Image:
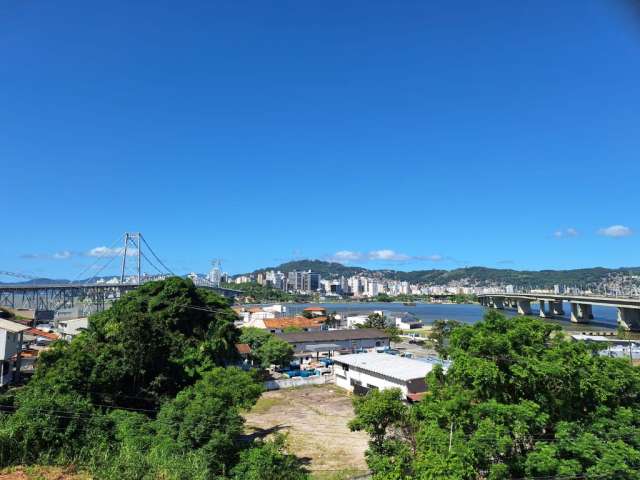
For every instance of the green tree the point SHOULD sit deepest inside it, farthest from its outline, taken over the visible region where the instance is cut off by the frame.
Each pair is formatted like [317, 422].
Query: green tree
[440, 333]
[145, 393]
[149, 345]
[269, 461]
[206, 416]
[518, 401]
[375, 320]
[274, 351]
[254, 336]
[383, 297]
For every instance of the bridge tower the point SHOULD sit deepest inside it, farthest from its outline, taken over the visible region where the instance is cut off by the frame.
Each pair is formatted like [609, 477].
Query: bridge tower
[133, 248]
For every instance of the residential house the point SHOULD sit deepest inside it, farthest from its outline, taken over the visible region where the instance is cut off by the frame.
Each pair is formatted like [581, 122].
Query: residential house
[11, 334]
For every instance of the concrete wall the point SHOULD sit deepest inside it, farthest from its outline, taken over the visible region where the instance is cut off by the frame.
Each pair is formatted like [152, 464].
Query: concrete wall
[298, 382]
[8, 344]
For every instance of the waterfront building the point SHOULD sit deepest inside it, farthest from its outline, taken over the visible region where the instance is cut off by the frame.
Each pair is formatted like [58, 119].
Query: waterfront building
[303, 281]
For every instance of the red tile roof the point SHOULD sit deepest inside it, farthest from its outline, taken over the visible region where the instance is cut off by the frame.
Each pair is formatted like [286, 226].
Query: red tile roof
[243, 348]
[315, 309]
[300, 322]
[41, 333]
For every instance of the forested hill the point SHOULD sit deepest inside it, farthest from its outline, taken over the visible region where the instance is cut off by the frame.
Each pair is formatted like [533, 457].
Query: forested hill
[475, 275]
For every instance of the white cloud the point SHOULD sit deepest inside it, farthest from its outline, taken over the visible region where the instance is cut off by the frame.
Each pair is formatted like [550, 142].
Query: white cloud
[383, 255]
[616, 231]
[347, 255]
[110, 252]
[567, 232]
[63, 255]
[387, 255]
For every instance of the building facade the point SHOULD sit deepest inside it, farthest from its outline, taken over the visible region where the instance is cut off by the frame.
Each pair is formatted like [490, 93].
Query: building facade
[362, 372]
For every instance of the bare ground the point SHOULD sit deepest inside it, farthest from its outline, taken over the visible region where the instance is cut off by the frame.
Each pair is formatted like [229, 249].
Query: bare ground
[315, 419]
[41, 473]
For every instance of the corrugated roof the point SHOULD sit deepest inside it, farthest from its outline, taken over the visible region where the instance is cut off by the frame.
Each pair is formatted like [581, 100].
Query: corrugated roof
[400, 368]
[333, 335]
[10, 326]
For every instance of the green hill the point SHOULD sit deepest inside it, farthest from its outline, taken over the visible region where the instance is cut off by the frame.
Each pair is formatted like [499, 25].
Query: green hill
[472, 275]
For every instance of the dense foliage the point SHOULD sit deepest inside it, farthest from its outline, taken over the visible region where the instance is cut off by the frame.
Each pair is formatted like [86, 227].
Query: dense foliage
[519, 401]
[149, 391]
[266, 348]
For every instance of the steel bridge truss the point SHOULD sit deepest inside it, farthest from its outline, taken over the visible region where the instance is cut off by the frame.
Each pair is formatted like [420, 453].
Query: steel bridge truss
[58, 297]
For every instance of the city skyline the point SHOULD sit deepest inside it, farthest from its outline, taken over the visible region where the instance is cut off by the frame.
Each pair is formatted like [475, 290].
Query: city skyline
[405, 136]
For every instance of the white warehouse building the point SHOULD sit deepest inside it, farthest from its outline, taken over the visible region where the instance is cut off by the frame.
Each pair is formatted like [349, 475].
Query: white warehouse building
[362, 372]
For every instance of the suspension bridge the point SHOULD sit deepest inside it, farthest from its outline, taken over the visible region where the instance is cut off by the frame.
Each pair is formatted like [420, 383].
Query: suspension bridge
[138, 264]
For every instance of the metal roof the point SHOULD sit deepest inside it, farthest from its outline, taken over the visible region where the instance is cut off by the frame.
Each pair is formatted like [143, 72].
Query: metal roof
[330, 336]
[323, 347]
[13, 327]
[400, 368]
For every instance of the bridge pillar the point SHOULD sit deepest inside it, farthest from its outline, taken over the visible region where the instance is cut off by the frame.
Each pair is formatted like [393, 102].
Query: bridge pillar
[629, 318]
[498, 302]
[579, 314]
[587, 310]
[555, 307]
[524, 307]
[543, 313]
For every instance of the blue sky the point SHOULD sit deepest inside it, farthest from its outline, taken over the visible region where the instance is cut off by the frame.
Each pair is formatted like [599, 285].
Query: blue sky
[412, 135]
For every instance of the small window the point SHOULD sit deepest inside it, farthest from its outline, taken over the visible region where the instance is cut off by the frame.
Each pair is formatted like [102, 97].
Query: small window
[378, 343]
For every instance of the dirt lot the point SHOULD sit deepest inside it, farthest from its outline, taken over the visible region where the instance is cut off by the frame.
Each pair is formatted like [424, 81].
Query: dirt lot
[315, 419]
[40, 473]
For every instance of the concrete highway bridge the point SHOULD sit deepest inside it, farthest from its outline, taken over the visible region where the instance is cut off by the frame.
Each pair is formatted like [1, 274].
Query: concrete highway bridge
[551, 305]
[58, 297]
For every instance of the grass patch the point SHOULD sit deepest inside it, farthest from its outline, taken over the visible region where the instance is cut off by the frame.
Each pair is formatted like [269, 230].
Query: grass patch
[423, 332]
[264, 404]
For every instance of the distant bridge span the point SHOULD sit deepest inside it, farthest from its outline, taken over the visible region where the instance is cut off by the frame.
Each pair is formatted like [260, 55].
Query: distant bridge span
[69, 295]
[581, 306]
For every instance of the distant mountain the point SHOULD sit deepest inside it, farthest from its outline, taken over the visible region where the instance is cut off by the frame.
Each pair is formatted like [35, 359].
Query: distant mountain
[469, 275]
[326, 269]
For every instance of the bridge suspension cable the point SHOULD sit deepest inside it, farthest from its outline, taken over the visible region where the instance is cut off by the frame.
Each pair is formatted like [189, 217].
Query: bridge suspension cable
[156, 256]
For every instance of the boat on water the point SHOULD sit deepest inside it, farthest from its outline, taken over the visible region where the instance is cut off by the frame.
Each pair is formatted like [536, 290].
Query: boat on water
[409, 304]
